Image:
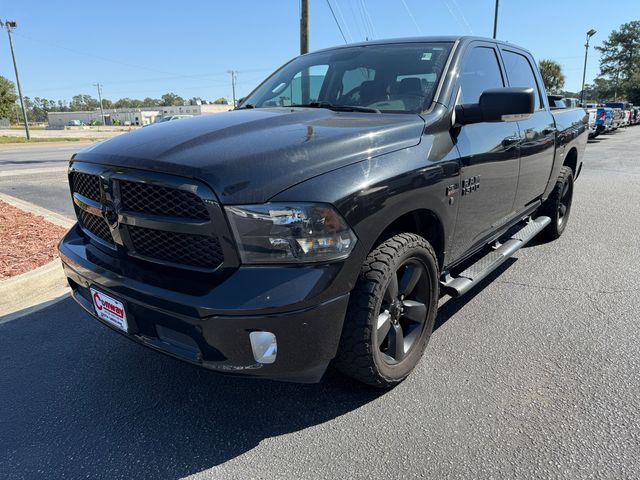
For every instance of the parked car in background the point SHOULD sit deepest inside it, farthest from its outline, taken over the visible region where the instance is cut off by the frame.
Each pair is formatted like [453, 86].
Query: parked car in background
[620, 116]
[593, 126]
[571, 102]
[171, 118]
[556, 101]
[75, 123]
[603, 119]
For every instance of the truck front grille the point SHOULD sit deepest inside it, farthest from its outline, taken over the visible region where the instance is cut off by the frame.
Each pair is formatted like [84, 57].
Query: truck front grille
[95, 225]
[163, 223]
[160, 200]
[193, 250]
[86, 185]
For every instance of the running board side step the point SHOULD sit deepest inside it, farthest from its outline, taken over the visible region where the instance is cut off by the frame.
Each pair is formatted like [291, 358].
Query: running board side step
[457, 286]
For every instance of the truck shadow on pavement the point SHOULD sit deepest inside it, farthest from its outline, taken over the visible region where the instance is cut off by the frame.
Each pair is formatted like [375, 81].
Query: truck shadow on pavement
[454, 305]
[79, 400]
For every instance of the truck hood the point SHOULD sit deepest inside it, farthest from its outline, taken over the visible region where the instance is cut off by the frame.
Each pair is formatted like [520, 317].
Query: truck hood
[248, 156]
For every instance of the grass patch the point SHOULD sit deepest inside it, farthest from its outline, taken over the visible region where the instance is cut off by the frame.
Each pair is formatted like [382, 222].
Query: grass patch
[6, 139]
[31, 127]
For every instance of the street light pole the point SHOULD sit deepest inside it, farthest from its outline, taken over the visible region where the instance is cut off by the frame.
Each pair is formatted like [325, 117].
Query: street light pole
[233, 85]
[590, 34]
[495, 19]
[100, 99]
[10, 25]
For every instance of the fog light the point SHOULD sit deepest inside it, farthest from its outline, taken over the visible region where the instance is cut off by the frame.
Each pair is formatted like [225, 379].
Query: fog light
[264, 346]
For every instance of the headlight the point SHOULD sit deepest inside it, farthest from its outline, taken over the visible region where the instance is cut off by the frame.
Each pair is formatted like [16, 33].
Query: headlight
[290, 233]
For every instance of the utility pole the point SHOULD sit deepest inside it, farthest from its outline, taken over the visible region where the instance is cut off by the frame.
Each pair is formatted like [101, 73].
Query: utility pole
[10, 25]
[305, 80]
[234, 77]
[100, 99]
[304, 27]
[590, 34]
[495, 19]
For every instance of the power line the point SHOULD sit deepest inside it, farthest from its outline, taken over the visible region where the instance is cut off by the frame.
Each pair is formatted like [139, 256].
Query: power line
[337, 23]
[455, 17]
[344, 22]
[132, 65]
[464, 19]
[362, 33]
[412, 17]
[368, 18]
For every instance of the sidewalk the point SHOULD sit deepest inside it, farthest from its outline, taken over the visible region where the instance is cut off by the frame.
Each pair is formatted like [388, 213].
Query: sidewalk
[61, 134]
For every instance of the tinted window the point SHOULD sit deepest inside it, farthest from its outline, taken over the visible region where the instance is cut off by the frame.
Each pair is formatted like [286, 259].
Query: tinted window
[286, 94]
[480, 72]
[520, 73]
[399, 78]
[352, 79]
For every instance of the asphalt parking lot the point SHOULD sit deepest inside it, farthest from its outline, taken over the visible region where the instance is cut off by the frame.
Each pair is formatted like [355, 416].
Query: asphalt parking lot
[535, 373]
[37, 173]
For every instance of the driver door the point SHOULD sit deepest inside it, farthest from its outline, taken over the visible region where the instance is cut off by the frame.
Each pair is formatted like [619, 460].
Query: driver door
[489, 156]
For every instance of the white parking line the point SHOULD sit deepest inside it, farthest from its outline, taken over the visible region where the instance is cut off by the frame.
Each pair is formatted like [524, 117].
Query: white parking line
[16, 172]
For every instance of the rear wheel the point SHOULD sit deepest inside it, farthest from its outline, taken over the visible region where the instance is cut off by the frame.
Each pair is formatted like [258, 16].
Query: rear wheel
[391, 312]
[558, 205]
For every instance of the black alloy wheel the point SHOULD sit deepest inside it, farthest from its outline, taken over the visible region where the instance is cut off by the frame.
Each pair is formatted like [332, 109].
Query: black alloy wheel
[558, 206]
[403, 312]
[391, 313]
[564, 205]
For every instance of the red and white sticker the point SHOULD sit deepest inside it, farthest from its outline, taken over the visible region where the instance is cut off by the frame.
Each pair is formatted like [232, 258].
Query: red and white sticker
[109, 309]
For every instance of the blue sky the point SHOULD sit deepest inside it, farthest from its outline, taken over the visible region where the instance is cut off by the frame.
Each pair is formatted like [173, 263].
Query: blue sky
[147, 48]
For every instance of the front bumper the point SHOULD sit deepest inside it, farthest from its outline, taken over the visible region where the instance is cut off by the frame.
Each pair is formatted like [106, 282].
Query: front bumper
[302, 306]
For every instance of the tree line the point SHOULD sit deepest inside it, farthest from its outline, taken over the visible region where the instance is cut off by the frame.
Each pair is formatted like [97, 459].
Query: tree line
[619, 76]
[37, 107]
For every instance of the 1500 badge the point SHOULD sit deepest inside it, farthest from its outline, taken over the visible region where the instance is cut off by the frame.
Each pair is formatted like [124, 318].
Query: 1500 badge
[470, 185]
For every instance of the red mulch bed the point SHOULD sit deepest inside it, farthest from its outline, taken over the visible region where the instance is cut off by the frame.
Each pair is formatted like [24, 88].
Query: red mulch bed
[27, 241]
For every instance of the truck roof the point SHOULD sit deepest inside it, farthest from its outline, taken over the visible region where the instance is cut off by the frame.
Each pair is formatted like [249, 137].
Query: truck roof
[424, 39]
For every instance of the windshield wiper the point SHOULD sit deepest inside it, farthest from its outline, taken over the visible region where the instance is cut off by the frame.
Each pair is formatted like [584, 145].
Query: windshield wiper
[339, 108]
[245, 106]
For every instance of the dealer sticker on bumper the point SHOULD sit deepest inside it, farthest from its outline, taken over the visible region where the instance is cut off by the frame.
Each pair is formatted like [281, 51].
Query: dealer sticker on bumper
[109, 309]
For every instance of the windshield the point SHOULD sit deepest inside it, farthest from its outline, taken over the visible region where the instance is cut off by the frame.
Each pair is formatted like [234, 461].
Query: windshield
[397, 78]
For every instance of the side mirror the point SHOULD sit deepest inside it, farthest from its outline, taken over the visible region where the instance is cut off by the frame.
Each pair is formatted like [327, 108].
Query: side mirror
[497, 105]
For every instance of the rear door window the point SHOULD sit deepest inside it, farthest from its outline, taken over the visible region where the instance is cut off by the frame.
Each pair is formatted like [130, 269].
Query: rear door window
[520, 73]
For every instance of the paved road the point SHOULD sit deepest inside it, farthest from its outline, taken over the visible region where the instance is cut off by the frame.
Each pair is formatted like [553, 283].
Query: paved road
[536, 373]
[37, 173]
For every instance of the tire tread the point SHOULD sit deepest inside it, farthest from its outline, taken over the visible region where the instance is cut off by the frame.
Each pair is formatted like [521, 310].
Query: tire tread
[355, 351]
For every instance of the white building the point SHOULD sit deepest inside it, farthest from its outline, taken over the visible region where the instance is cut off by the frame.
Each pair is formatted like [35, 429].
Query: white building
[132, 116]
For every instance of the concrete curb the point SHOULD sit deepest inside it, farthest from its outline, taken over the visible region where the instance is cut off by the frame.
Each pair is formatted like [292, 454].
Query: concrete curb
[39, 288]
[32, 289]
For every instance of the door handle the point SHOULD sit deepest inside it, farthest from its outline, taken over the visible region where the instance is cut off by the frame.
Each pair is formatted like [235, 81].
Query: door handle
[510, 141]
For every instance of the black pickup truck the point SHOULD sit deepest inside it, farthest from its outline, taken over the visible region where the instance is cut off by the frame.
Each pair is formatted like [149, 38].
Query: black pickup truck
[323, 219]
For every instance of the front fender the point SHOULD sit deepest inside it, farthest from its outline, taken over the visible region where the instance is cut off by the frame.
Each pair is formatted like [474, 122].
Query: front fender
[373, 193]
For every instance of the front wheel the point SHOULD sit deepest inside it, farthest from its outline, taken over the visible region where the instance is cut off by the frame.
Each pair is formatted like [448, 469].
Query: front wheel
[391, 312]
[558, 205]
